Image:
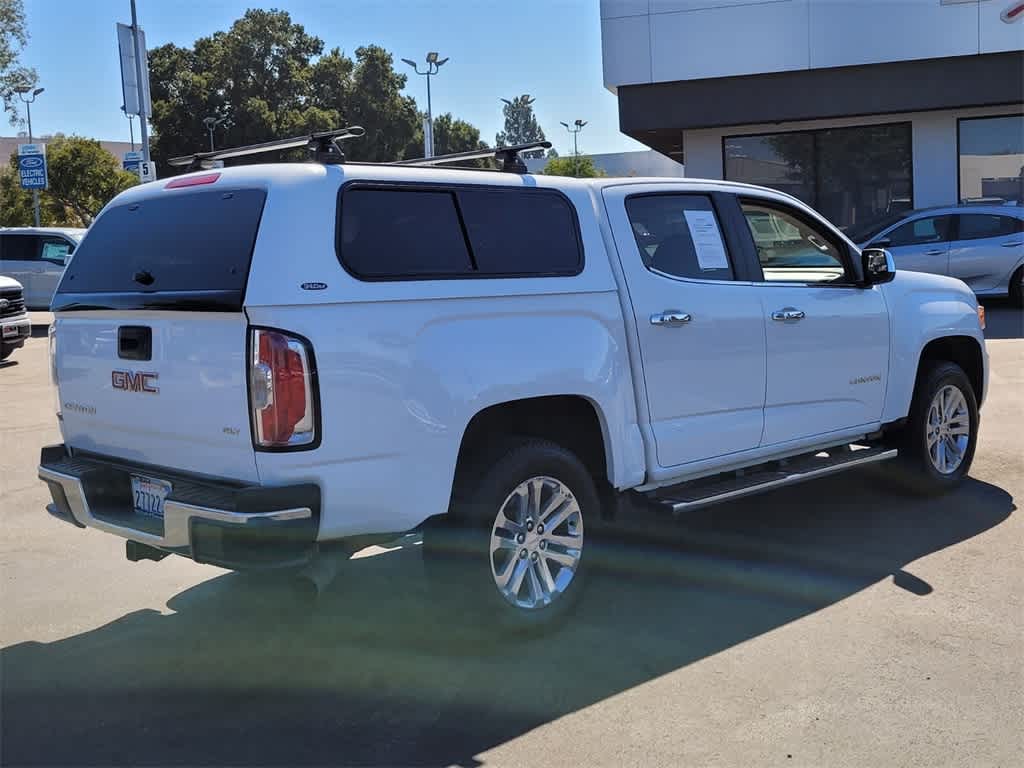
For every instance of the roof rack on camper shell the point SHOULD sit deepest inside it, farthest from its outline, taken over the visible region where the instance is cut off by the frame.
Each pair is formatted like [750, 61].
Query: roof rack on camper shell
[324, 148]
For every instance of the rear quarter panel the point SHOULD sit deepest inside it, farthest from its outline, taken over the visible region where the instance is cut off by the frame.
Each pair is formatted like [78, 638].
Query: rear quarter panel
[404, 366]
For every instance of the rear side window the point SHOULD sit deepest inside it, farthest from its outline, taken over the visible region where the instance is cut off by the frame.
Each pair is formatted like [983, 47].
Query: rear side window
[679, 235]
[933, 229]
[977, 226]
[20, 248]
[390, 233]
[174, 241]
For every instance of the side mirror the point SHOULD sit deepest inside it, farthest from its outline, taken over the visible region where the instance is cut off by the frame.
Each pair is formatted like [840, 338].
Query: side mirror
[877, 265]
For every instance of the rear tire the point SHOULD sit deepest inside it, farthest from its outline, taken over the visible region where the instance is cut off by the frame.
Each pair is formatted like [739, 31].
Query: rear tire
[938, 442]
[511, 547]
[1017, 288]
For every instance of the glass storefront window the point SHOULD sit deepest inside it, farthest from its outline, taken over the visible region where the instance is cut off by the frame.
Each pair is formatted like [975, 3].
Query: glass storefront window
[850, 175]
[992, 159]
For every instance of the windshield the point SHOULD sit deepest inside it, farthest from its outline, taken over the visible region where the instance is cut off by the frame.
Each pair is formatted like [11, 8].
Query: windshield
[861, 233]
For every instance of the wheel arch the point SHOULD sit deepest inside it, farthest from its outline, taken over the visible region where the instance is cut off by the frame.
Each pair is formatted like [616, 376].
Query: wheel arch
[965, 351]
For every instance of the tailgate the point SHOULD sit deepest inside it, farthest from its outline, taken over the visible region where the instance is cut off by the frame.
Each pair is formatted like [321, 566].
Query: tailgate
[150, 332]
[185, 408]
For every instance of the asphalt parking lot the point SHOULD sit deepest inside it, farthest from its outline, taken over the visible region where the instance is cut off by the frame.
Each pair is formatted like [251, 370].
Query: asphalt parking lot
[838, 623]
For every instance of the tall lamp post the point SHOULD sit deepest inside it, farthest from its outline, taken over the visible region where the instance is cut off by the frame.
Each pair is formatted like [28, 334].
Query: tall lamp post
[211, 123]
[575, 129]
[131, 126]
[433, 65]
[28, 99]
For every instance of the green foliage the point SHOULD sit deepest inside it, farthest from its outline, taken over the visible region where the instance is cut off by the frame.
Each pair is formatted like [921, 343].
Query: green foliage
[520, 125]
[83, 177]
[450, 135]
[266, 78]
[13, 37]
[582, 167]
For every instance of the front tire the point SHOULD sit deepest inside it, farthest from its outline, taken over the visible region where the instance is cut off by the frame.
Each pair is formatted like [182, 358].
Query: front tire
[512, 544]
[942, 431]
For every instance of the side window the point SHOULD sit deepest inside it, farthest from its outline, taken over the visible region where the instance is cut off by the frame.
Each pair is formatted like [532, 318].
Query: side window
[387, 233]
[519, 232]
[977, 226]
[21, 248]
[55, 249]
[933, 229]
[790, 249]
[460, 231]
[679, 235]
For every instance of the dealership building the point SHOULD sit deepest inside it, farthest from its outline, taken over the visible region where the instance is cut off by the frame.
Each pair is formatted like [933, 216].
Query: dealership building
[858, 107]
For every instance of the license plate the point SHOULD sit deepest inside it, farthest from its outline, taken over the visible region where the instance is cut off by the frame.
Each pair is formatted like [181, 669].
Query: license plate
[9, 331]
[148, 495]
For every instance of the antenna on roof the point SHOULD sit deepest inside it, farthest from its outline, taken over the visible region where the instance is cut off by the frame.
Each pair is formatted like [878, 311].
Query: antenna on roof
[323, 148]
[507, 156]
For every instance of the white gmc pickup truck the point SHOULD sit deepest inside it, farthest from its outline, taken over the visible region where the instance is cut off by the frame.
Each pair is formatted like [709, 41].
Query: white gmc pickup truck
[258, 362]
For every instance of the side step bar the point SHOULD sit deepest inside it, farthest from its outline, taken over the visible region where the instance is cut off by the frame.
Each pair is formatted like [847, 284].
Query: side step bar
[705, 491]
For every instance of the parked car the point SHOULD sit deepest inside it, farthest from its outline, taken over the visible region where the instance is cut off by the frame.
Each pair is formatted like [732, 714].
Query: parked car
[262, 363]
[15, 326]
[983, 245]
[36, 257]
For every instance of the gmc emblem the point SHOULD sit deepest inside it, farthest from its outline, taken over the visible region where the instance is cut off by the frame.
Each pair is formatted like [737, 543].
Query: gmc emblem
[132, 381]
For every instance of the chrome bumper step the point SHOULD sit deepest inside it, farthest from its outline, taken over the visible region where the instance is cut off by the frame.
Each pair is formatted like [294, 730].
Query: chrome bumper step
[763, 477]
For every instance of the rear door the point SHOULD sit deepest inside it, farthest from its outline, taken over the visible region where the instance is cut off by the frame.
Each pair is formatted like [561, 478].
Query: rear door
[699, 322]
[987, 248]
[21, 261]
[150, 334]
[921, 245]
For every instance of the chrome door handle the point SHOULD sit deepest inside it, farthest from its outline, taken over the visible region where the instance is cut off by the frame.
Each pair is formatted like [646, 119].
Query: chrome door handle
[789, 313]
[673, 318]
[1014, 243]
[933, 253]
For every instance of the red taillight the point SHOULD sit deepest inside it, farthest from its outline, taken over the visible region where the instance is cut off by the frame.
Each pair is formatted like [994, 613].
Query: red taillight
[192, 181]
[281, 389]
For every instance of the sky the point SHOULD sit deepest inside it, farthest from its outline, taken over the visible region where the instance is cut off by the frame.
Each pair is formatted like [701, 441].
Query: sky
[550, 49]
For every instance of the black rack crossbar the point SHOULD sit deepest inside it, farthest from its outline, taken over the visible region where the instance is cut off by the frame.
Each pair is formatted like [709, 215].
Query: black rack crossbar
[508, 156]
[322, 144]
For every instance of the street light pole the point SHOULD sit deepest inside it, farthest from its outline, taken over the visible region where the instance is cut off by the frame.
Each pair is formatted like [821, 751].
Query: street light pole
[28, 110]
[433, 65]
[143, 128]
[575, 129]
[211, 123]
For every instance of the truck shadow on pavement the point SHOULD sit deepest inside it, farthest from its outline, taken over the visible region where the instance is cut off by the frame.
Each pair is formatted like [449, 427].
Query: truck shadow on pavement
[1002, 319]
[384, 671]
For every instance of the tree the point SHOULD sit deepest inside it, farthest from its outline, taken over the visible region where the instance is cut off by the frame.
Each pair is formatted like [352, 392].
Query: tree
[266, 78]
[83, 177]
[450, 135]
[582, 167]
[13, 37]
[520, 125]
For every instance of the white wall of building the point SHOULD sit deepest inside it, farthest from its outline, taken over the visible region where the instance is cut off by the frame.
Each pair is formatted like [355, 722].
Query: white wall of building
[934, 147]
[646, 41]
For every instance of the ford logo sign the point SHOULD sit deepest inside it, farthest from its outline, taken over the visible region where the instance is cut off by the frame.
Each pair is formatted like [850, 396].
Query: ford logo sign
[31, 161]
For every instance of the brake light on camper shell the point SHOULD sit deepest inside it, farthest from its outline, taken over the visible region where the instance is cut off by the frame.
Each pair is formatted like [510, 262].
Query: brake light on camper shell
[282, 390]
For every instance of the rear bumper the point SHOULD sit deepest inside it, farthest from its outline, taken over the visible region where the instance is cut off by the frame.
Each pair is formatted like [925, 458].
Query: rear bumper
[231, 525]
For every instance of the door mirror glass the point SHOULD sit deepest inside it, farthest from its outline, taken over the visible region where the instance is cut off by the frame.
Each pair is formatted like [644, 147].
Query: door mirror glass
[878, 266]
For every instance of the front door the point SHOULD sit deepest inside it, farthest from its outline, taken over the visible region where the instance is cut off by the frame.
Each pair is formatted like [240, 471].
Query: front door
[987, 247]
[700, 329]
[827, 338]
[921, 245]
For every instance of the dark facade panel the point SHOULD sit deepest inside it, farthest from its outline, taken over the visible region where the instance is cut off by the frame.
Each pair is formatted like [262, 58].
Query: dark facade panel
[657, 112]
